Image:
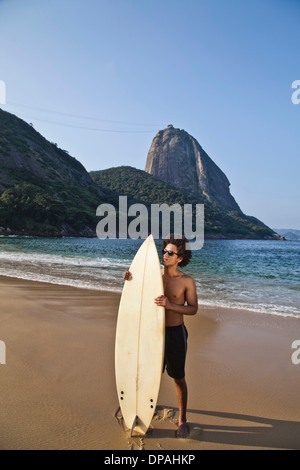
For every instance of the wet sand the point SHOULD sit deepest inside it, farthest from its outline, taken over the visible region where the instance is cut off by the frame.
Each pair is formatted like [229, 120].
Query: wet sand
[58, 385]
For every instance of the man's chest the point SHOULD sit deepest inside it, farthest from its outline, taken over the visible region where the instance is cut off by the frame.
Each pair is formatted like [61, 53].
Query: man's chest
[174, 289]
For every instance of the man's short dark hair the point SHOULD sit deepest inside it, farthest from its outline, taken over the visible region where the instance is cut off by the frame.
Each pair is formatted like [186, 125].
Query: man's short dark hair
[181, 250]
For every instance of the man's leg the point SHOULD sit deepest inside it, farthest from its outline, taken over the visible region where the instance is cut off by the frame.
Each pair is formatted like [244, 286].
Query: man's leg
[181, 393]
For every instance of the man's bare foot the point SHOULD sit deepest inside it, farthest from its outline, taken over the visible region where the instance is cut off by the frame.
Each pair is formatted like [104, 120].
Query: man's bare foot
[183, 431]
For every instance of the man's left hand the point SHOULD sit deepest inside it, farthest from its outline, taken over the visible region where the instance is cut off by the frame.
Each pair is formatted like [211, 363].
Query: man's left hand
[162, 301]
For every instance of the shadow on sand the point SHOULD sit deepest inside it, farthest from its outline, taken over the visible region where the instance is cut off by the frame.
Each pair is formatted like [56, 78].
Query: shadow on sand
[254, 431]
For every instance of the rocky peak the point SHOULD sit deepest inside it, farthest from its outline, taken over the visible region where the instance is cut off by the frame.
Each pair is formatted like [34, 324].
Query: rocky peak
[176, 157]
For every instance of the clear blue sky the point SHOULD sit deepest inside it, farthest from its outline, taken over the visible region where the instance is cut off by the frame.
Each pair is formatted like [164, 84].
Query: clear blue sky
[101, 77]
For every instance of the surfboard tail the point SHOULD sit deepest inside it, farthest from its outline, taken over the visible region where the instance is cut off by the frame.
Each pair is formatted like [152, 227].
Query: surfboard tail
[135, 421]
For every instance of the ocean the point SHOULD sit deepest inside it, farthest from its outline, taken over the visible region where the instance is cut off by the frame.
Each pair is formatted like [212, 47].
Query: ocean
[257, 275]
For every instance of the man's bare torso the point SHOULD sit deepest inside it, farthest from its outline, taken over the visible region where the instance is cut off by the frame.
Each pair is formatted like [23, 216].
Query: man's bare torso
[174, 290]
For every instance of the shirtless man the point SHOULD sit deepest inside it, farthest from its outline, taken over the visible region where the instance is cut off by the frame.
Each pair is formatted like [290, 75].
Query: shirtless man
[179, 299]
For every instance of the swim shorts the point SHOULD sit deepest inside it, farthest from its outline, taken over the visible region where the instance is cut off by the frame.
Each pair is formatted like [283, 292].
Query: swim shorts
[175, 350]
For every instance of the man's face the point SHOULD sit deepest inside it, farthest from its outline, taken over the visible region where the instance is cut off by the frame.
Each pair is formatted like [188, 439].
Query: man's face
[168, 260]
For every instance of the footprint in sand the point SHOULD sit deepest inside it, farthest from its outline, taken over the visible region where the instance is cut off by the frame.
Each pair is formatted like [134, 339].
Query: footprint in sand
[135, 444]
[168, 414]
[165, 414]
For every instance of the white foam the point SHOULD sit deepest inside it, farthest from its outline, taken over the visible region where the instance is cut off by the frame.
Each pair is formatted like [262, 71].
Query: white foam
[103, 273]
[55, 259]
[266, 309]
[60, 281]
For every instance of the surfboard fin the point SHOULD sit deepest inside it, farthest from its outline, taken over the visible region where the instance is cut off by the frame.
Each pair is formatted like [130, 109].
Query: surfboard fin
[133, 425]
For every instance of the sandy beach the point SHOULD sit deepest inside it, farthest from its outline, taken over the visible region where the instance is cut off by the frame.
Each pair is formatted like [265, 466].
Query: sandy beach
[58, 385]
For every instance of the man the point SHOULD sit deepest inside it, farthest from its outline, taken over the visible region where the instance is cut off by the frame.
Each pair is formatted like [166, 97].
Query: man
[179, 299]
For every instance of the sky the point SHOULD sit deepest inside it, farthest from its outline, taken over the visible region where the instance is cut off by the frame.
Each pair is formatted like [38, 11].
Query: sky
[101, 77]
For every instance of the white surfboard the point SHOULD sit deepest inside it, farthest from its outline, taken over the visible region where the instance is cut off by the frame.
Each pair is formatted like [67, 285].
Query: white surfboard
[140, 338]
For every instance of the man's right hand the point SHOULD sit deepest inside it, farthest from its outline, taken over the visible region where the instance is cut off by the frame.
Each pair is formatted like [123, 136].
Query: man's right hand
[127, 276]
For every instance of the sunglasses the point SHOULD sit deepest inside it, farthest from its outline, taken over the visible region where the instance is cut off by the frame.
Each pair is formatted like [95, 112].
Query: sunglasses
[170, 252]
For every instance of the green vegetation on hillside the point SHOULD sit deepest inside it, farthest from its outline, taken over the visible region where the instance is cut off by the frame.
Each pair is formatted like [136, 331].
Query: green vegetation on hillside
[139, 186]
[42, 188]
[30, 208]
[142, 187]
[45, 191]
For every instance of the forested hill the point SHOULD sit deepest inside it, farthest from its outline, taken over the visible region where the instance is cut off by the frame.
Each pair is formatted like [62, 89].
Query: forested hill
[145, 188]
[43, 190]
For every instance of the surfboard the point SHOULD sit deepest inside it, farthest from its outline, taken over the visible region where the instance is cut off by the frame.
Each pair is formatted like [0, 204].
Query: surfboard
[140, 337]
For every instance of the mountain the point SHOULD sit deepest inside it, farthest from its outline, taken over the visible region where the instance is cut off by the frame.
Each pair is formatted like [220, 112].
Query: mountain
[288, 233]
[177, 158]
[142, 187]
[43, 190]
[138, 186]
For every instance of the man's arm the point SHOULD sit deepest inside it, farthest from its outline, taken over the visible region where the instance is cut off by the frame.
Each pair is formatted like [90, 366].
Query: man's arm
[191, 299]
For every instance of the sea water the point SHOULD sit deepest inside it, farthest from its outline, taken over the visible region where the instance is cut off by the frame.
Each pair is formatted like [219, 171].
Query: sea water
[260, 275]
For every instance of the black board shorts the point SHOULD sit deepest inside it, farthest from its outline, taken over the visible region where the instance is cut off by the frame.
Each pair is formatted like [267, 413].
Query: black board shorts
[175, 350]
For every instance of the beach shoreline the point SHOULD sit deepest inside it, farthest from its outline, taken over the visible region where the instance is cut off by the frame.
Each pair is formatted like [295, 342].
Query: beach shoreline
[58, 385]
